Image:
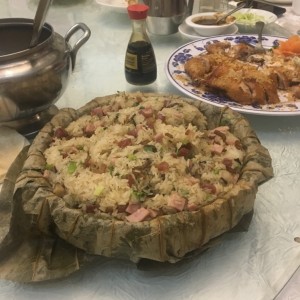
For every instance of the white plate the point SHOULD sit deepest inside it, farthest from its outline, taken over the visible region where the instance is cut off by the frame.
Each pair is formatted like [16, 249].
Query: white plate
[189, 32]
[280, 1]
[116, 5]
[174, 69]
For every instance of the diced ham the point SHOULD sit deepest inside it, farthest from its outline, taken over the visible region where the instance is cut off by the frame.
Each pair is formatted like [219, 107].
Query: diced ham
[192, 207]
[158, 137]
[163, 166]
[98, 111]
[176, 201]
[185, 151]
[106, 109]
[153, 213]
[132, 207]
[133, 132]
[61, 133]
[124, 143]
[210, 187]
[161, 117]
[89, 129]
[150, 122]
[216, 148]
[227, 162]
[140, 215]
[191, 180]
[146, 112]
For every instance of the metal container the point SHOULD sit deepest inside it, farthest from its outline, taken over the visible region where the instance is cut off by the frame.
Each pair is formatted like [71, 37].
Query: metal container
[33, 79]
[164, 16]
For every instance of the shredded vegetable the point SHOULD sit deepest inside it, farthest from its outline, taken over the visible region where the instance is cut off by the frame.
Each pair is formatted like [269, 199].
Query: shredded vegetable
[248, 18]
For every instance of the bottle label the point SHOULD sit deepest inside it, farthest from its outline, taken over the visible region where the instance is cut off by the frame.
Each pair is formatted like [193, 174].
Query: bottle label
[131, 61]
[140, 57]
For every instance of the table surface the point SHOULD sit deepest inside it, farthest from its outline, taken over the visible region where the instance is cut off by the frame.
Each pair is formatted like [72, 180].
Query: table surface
[261, 263]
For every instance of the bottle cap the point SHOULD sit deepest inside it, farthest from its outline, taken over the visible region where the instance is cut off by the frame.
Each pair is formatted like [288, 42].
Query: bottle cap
[137, 11]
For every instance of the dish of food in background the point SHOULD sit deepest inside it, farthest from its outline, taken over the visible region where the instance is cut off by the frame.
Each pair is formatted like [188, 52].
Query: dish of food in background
[175, 71]
[205, 23]
[247, 17]
[117, 5]
[190, 33]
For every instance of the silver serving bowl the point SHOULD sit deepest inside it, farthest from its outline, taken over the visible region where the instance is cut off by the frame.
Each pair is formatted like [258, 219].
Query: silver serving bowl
[33, 79]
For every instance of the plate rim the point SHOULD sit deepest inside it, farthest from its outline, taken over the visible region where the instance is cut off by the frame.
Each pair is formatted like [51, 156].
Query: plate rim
[238, 109]
[197, 36]
[120, 8]
[280, 1]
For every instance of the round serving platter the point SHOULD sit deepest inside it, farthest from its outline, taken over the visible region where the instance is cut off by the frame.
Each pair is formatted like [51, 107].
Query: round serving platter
[174, 70]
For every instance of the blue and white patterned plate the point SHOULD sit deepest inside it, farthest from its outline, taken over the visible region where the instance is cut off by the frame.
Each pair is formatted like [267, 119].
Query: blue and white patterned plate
[174, 69]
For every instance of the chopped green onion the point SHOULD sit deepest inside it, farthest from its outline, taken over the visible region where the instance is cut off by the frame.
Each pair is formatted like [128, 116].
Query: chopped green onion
[98, 190]
[72, 166]
[184, 192]
[111, 169]
[150, 148]
[131, 157]
[49, 167]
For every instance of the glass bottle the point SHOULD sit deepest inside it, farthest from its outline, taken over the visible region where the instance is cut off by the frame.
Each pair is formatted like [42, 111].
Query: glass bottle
[140, 62]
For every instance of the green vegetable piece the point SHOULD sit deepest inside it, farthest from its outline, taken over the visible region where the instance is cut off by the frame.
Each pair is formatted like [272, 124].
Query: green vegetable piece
[150, 148]
[132, 157]
[111, 169]
[72, 166]
[99, 190]
[49, 167]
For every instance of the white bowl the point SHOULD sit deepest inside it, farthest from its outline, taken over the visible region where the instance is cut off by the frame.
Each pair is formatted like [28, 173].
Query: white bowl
[207, 30]
[246, 24]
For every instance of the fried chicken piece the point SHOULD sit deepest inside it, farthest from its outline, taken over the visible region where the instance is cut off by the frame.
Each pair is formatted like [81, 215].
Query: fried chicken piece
[243, 84]
[217, 48]
[240, 82]
[241, 51]
[199, 67]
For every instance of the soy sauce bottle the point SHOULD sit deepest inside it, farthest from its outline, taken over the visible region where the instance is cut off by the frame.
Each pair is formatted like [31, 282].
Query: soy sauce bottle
[140, 62]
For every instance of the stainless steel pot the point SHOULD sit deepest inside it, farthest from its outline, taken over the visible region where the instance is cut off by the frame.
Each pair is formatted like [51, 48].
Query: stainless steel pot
[165, 16]
[33, 79]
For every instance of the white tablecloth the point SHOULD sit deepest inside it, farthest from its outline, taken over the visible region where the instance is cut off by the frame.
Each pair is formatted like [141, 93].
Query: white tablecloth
[249, 265]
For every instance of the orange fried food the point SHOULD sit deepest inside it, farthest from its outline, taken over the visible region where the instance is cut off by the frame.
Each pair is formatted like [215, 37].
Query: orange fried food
[240, 82]
[243, 84]
[200, 66]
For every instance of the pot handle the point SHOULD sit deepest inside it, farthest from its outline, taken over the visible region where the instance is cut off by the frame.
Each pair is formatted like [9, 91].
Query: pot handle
[82, 40]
